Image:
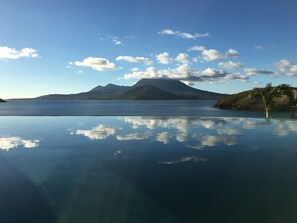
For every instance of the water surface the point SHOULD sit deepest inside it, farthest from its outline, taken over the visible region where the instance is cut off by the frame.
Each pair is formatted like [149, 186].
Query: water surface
[147, 169]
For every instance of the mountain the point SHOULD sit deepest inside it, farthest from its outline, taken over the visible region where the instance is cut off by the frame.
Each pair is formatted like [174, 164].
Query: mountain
[242, 101]
[110, 89]
[145, 89]
[179, 88]
[2, 100]
[148, 93]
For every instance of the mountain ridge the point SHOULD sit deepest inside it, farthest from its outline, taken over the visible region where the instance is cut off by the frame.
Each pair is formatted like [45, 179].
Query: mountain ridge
[146, 89]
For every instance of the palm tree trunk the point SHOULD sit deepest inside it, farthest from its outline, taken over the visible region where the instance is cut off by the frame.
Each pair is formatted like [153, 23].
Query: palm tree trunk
[267, 112]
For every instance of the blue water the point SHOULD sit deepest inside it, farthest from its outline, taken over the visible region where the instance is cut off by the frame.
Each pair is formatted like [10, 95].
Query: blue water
[147, 169]
[116, 108]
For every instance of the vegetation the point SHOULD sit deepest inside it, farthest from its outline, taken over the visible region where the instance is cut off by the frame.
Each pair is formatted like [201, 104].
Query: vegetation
[291, 94]
[267, 96]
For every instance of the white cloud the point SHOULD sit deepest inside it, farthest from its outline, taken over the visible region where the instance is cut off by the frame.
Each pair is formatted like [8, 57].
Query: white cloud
[11, 53]
[183, 72]
[135, 69]
[151, 72]
[116, 41]
[231, 53]
[237, 76]
[230, 65]
[7, 143]
[134, 59]
[112, 38]
[163, 58]
[96, 63]
[182, 35]
[254, 71]
[287, 67]
[97, 133]
[182, 58]
[197, 48]
[259, 47]
[213, 54]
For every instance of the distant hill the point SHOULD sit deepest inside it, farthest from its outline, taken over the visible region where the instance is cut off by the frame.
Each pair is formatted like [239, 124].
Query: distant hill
[145, 89]
[242, 101]
[2, 100]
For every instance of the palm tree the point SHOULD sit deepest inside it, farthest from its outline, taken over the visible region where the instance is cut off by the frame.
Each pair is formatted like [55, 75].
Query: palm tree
[267, 96]
[291, 94]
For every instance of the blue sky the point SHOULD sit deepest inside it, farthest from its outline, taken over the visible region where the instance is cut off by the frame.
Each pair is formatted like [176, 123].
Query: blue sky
[217, 45]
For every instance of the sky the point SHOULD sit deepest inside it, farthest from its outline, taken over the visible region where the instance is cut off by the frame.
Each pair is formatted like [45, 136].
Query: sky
[225, 46]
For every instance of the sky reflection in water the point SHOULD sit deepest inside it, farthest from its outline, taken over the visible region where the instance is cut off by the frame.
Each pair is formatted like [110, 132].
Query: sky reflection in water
[148, 169]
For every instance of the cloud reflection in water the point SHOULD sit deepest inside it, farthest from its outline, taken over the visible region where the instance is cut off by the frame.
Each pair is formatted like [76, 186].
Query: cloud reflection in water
[196, 132]
[7, 143]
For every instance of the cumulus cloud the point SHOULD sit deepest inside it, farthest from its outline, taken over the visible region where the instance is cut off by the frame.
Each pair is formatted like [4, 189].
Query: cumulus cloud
[11, 53]
[96, 63]
[163, 58]
[182, 58]
[150, 72]
[183, 72]
[197, 48]
[230, 65]
[231, 53]
[213, 54]
[254, 71]
[134, 59]
[287, 67]
[182, 35]
[97, 133]
[237, 76]
[7, 143]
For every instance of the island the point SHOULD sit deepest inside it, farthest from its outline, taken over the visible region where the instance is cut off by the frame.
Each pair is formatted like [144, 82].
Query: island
[144, 89]
[2, 100]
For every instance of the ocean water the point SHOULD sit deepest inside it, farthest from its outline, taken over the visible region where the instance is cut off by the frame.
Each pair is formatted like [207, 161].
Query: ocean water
[177, 169]
[120, 108]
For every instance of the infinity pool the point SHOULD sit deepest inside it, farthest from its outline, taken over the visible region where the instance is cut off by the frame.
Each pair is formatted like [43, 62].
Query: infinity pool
[147, 169]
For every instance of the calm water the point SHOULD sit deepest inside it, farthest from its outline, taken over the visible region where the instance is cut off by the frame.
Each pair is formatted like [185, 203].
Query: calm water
[147, 169]
[116, 108]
